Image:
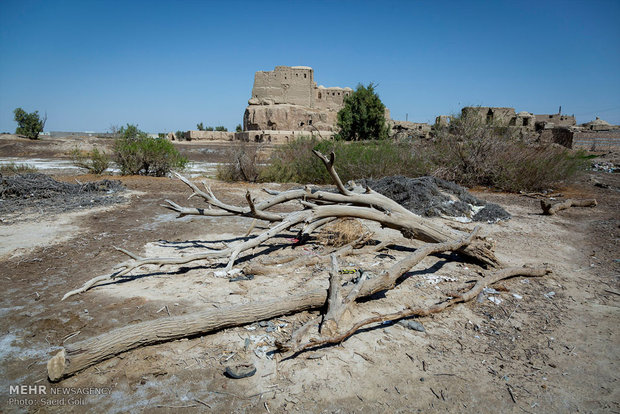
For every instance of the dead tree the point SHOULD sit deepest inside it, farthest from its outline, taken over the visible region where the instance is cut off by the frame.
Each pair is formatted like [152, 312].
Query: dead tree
[318, 208]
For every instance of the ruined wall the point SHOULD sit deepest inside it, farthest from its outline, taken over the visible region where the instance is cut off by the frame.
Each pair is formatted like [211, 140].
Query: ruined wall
[409, 130]
[555, 120]
[597, 140]
[209, 135]
[330, 98]
[561, 136]
[500, 116]
[288, 118]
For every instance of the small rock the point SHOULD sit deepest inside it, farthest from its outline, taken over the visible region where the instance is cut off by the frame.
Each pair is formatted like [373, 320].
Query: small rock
[414, 325]
[242, 277]
[517, 296]
[549, 295]
[240, 371]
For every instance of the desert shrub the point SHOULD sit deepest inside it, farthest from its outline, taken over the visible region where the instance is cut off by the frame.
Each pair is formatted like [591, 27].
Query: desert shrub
[12, 168]
[95, 161]
[471, 151]
[244, 165]
[137, 154]
[295, 161]
[535, 168]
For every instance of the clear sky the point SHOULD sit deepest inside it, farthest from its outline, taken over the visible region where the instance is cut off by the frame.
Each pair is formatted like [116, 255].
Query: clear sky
[167, 65]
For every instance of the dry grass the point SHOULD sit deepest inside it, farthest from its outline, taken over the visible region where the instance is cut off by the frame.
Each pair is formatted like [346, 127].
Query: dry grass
[342, 232]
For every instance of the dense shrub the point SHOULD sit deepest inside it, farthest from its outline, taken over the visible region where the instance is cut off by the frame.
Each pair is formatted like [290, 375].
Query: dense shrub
[95, 161]
[471, 151]
[368, 159]
[503, 164]
[137, 154]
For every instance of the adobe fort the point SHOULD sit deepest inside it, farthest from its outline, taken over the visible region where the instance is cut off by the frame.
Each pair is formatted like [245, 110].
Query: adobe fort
[288, 99]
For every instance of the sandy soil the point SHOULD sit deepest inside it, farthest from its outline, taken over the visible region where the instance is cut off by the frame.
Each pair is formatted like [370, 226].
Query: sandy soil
[550, 345]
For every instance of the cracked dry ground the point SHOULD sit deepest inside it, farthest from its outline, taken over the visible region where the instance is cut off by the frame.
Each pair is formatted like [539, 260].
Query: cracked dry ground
[535, 352]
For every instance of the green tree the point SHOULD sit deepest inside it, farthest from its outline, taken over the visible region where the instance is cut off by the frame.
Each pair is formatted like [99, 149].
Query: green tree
[363, 116]
[239, 128]
[29, 124]
[208, 128]
[200, 127]
[221, 128]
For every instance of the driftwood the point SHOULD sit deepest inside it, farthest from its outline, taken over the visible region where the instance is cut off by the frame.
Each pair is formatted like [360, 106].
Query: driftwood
[550, 209]
[319, 208]
[80, 355]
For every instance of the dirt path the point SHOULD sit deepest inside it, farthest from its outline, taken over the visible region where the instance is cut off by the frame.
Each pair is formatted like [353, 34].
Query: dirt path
[550, 345]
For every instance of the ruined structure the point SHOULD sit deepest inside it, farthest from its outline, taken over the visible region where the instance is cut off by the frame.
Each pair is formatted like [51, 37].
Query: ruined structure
[501, 116]
[409, 130]
[547, 121]
[288, 99]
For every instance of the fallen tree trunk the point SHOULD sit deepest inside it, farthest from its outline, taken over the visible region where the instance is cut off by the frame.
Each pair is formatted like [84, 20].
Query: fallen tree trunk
[75, 357]
[550, 209]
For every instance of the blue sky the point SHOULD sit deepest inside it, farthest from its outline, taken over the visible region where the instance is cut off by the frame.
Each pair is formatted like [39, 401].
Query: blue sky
[167, 65]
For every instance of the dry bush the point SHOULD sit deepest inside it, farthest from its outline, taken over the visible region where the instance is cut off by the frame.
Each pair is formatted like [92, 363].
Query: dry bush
[12, 168]
[244, 165]
[341, 232]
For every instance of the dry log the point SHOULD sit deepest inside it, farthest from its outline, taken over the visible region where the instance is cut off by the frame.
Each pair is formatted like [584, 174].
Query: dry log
[80, 355]
[550, 209]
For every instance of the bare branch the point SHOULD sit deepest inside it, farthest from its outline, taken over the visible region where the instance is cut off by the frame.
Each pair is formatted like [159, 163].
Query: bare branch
[329, 164]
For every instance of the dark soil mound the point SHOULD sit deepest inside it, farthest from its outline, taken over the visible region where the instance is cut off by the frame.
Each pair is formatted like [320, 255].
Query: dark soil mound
[430, 196]
[28, 193]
